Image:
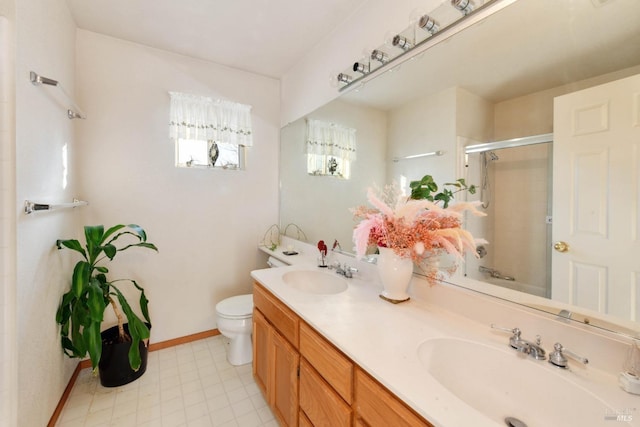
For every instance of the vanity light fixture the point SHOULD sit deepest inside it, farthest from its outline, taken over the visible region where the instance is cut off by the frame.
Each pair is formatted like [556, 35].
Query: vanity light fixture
[402, 42]
[345, 78]
[413, 43]
[361, 67]
[379, 56]
[428, 24]
[464, 6]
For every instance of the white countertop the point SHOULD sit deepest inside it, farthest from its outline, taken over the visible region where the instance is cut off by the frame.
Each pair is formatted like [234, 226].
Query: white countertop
[383, 339]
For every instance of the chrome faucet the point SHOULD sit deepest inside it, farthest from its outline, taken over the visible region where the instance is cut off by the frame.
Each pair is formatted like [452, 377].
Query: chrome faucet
[344, 270]
[523, 346]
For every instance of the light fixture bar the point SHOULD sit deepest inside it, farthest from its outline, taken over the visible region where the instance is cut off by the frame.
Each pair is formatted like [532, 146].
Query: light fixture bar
[487, 9]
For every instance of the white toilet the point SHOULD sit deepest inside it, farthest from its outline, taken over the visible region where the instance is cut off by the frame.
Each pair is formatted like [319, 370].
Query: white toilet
[234, 319]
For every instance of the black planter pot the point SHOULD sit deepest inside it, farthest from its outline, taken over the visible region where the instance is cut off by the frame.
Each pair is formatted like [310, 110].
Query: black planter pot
[114, 365]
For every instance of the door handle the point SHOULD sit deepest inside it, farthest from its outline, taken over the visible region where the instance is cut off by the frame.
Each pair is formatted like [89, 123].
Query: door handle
[561, 246]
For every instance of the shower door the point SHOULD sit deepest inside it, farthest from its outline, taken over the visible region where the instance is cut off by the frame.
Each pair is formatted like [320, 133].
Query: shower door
[596, 203]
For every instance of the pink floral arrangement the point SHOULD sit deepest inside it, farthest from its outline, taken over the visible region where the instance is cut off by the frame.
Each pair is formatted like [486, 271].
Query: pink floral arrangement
[416, 229]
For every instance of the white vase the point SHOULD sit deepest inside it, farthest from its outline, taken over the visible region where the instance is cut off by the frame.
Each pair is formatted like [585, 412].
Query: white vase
[395, 274]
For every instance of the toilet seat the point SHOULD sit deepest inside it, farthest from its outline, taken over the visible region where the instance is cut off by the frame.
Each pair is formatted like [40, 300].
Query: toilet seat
[238, 307]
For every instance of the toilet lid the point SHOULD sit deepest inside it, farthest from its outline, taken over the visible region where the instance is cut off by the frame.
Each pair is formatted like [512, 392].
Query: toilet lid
[234, 307]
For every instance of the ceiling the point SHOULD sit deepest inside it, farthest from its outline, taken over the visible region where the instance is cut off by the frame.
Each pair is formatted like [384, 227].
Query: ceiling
[265, 37]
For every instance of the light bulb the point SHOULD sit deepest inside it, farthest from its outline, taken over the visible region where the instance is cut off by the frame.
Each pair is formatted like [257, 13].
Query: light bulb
[345, 78]
[401, 42]
[379, 56]
[361, 67]
[464, 6]
[428, 24]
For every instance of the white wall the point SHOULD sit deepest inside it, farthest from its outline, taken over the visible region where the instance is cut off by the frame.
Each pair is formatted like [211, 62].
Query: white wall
[8, 350]
[206, 223]
[424, 125]
[45, 43]
[532, 114]
[306, 86]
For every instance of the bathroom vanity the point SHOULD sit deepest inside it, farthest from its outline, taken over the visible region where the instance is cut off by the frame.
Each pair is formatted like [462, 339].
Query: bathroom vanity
[341, 356]
[307, 381]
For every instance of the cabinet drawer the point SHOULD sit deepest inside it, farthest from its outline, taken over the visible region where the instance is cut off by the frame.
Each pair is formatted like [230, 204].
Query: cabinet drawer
[320, 403]
[378, 407]
[332, 365]
[280, 316]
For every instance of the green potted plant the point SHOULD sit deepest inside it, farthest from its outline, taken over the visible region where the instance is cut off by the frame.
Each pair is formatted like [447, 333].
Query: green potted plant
[426, 189]
[82, 308]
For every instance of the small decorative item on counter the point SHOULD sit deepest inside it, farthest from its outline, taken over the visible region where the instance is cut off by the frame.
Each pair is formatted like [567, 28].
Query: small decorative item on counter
[629, 378]
[415, 229]
[322, 259]
[271, 238]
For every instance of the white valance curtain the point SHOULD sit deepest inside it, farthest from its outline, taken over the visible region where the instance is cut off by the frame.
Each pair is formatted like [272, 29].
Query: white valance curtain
[330, 139]
[202, 118]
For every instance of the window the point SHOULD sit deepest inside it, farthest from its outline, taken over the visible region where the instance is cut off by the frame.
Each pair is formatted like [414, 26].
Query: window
[208, 133]
[330, 149]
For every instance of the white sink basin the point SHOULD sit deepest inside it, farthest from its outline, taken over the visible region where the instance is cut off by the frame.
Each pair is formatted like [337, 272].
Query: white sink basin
[315, 282]
[502, 384]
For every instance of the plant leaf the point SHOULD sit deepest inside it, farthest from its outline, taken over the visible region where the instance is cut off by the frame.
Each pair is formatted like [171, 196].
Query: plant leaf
[72, 244]
[148, 245]
[110, 231]
[93, 235]
[95, 301]
[64, 309]
[68, 347]
[144, 302]
[139, 231]
[137, 330]
[109, 250]
[77, 340]
[93, 341]
[81, 273]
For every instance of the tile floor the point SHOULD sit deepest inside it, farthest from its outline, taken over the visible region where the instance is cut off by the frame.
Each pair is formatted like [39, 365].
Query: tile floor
[187, 385]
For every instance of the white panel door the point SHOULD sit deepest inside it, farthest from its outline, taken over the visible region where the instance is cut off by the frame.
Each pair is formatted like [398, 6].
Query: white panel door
[596, 198]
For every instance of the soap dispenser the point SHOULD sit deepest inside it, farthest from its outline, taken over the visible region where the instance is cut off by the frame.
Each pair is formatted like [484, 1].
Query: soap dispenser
[629, 378]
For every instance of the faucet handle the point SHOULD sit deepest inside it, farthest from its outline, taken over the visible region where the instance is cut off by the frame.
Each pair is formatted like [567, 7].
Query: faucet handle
[351, 269]
[514, 341]
[334, 265]
[557, 357]
[348, 271]
[515, 331]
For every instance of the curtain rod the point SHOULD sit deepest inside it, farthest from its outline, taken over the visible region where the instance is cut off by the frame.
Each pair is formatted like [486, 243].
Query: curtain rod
[415, 156]
[509, 143]
[72, 113]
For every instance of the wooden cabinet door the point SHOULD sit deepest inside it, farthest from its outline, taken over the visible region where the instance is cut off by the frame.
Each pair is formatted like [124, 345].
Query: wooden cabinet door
[261, 351]
[320, 403]
[377, 407]
[284, 380]
[334, 367]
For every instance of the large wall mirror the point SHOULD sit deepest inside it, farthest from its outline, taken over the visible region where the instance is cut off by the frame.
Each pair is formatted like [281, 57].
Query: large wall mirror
[496, 81]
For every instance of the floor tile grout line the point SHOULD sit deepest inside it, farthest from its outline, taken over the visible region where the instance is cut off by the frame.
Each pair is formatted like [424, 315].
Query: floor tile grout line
[249, 408]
